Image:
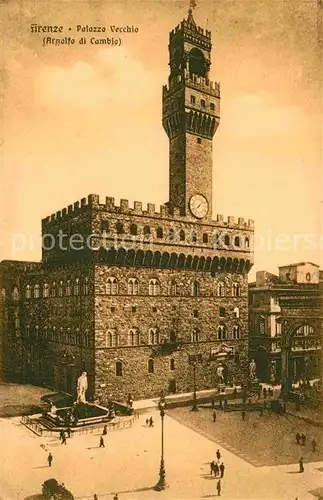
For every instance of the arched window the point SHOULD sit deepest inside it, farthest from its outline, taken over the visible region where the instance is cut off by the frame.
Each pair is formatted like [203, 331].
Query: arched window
[196, 62]
[45, 290]
[154, 336]
[205, 238]
[173, 288]
[172, 364]
[227, 240]
[195, 289]
[133, 286]
[133, 337]
[146, 230]
[150, 365]
[194, 237]
[68, 289]
[236, 332]
[36, 291]
[111, 287]
[237, 241]
[111, 338]
[182, 235]
[215, 240]
[171, 234]
[195, 335]
[159, 232]
[119, 228]
[236, 312]
[104, 227]
[77, 287]
[222, 332]
[86, 286]
[28, 292]
[172, 337]
[246, 243]
[133, 229]
[15, 294]
[60, 289]
[119, 369]
[154, 287]
[236, 290]
[221, 289]
[305, 330]
[53, 289]
[222, 312]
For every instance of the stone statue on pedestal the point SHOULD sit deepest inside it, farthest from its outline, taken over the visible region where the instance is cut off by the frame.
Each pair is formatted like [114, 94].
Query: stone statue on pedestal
[82, 388]
[219, 373]
[252, 369]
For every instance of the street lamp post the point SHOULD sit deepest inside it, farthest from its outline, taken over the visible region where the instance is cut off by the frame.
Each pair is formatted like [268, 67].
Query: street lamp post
[161, 485]
[194, 407]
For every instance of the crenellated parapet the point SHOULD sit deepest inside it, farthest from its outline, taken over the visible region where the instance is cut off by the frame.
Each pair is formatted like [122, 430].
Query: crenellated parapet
[74, 209]
[190, 32]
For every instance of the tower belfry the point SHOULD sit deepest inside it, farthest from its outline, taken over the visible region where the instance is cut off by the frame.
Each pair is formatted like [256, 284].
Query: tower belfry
[191, 115]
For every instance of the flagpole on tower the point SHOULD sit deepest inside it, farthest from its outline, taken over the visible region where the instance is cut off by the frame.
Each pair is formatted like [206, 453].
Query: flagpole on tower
[192, 5]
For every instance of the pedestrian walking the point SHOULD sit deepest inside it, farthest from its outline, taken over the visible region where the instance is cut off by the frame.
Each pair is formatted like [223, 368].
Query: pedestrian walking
[212, 404]
[222, 468]
[216, 469]
[102, 445]
[243, 414]
[151, 422]
[314, 445]
[116, 497]
[64, 439]
[50, 459]
[105, 431]
[212, 464]
[214, 416]
[69, 432]
[61, 434]
[218, 487]
[95, 497]
[147, 421]
[301, 464]
[218, 454]
[298, 437]
[303, 439]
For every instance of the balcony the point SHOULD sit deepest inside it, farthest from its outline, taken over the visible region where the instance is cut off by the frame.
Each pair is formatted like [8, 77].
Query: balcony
[167, 346]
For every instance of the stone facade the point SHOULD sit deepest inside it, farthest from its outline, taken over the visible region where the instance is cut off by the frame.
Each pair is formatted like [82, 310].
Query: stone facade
[134, 296]
[285, 321]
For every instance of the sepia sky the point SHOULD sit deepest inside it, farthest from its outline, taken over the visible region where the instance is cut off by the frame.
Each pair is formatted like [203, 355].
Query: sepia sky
[87, 119]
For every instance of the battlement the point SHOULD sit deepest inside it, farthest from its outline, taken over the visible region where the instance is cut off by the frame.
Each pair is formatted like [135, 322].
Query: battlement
[196, 82]
[149, 210]
[91, 201]
[186, 26]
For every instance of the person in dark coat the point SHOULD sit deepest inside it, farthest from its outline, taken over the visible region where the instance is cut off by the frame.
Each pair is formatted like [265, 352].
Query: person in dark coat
[222, 468]
[216, 469]
[151, 422]
[212, 464]
[95, 497]
[69, 432]
[64, 439]
[105, 431]
[50, 459]
[301, 464]
[243, 414]
[218, 487]
[303, 439]
[213, 404]
[214, 416]
[116, 497]
[218, 454]
[314, 445]
[102, 445]
[147, 421]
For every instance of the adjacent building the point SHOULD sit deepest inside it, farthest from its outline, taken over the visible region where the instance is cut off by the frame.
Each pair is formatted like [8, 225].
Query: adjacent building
[285, 320]
[138, 297]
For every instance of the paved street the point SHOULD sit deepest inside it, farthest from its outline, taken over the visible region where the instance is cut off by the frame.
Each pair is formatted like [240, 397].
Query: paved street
[262, 440]
[130, 462]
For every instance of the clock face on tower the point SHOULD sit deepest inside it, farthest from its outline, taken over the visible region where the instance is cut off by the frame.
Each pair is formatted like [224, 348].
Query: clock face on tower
[199, 206]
